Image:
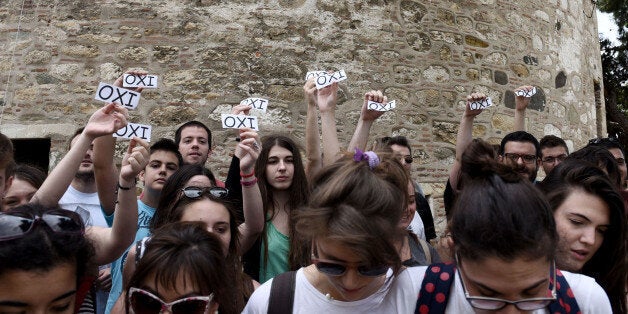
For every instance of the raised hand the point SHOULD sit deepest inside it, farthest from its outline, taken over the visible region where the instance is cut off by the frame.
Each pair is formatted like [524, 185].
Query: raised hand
[135, 160]
[326, 98]
[248, 149]
[311, 93]
[368, 114]
[106, 120]
[468, 112]
[118, 81]
[522, 102]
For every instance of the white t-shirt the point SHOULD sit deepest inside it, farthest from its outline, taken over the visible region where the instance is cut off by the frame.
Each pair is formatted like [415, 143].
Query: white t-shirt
[417, 227]
[400, 296]
[72, 199]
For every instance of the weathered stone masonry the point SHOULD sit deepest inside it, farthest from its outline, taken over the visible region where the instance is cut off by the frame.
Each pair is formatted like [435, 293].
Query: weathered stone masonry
[210, 54]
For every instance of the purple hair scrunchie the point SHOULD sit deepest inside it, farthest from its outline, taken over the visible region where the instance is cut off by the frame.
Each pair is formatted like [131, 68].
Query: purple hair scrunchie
[369, 156]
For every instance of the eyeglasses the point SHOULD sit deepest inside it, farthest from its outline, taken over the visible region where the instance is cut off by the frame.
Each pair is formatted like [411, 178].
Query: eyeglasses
[195, 192]
[13, 226]
[144, 302]
[494, 304]
[335, 269]
[553, 159]
[528, 159]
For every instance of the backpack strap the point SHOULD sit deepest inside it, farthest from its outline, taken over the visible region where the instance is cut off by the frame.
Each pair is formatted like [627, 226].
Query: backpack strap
[281, 299]
[426, 250]
[435, 288]
[565, 301]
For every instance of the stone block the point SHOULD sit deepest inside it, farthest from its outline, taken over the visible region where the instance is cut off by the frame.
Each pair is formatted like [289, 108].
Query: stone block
[37, 57]
[109, 71]
[561, 80]
[520, 70]
[496, 58]
[64, 71]
[165, 54]
[501, 77]
[412, 11]
[45, 78]
[473, 74]
[133, 53]
[81, 51]
[419, 41]
[445, 131]
[429, 98]
[503, 123]
[445, 53]
[436, 73]
[172, 115]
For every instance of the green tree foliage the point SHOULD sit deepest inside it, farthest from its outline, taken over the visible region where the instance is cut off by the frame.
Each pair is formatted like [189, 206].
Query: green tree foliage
[615, 71]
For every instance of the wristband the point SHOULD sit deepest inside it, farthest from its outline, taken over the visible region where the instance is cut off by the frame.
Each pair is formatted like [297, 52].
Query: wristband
[243, 175]
[248, 183]
[125, 188]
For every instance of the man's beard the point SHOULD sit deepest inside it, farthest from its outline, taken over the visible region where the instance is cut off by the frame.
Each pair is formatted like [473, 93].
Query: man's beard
[85, 176]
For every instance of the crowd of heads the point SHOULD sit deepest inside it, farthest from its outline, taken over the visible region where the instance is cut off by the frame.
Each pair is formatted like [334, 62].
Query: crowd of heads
[346, 225]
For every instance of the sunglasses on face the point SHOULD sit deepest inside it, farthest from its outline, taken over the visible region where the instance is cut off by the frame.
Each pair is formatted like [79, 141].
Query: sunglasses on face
[407, 159]
[194, 192]
[13, 226]
[144, 302]
[495, 304]
[334, 268]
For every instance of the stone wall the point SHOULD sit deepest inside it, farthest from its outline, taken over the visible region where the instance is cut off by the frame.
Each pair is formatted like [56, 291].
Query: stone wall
[210, 54]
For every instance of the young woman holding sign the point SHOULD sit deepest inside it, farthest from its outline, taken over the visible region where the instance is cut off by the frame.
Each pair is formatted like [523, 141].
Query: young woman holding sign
[281, 176]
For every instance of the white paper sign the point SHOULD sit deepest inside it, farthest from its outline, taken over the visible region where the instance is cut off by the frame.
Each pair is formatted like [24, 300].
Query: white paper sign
[327, 79]
[132, 129]
[481, 104]
[110, 93]
[526, 93]
[234, 121]
[312, 74]
[133, 80]
[256, 103]
[373, 105]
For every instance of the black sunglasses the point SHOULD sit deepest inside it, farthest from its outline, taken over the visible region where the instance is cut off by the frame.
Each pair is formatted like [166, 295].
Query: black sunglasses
[334, 268]
[194, 192]
[14, 225]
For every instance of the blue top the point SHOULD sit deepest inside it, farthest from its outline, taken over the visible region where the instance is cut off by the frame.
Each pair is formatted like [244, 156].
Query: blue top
[144, 216]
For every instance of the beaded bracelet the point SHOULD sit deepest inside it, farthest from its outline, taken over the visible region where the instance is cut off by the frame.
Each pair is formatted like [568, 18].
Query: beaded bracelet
[248, 183]
[243, 175]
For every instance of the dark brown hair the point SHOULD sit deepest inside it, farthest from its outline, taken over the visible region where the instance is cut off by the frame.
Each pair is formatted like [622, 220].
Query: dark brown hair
[485, 221]
[186, 249]
[359, 207]
[298, 195]
[608, 264]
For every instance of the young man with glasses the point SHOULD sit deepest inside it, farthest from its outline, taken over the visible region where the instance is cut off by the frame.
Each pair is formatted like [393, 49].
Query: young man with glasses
[553, 151]
[521, 150]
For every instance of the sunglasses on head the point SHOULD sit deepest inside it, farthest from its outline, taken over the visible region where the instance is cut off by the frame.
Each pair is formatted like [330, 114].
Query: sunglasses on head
[144, 302]
[17, 225]
[194, 192]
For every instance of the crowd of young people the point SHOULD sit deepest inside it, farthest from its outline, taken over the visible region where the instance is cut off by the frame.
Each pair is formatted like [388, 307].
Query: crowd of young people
[323, 229]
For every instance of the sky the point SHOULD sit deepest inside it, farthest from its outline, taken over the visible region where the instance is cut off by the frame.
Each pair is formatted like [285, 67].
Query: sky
[607, 26]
